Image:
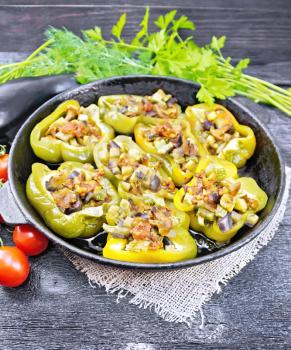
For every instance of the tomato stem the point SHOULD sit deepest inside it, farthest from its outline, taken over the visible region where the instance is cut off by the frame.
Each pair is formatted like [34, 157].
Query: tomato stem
[2, 150]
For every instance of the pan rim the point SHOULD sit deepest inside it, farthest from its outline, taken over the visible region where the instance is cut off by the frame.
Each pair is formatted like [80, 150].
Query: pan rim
[143, 266]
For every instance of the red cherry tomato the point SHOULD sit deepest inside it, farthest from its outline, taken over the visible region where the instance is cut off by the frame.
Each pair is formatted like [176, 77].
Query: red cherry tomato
[29, 240]
[4, 167]
[14, 267]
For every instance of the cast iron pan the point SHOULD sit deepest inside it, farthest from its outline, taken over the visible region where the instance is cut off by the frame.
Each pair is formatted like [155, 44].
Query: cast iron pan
[266, 166]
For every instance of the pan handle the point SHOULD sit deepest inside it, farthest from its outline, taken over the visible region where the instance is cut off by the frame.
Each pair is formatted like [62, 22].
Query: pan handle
[9, 210]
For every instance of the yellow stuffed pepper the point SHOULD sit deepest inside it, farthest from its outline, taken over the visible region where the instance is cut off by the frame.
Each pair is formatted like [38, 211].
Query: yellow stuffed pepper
[136, 174]
[218, 202]
[123, 112]
[147, 234]
[174, 142]
[69, 133]
[222, 135]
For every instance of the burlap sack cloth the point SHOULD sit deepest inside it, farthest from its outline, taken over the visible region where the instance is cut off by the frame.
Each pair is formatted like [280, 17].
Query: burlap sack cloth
[177, 295]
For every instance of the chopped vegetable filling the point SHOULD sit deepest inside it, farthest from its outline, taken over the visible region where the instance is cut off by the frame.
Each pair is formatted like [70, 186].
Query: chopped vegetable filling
[143, 226]
[76, 128]
[168, 138]
[219, 200]
[137, 171]
[77, 190]
[217, 130]
[158, 105]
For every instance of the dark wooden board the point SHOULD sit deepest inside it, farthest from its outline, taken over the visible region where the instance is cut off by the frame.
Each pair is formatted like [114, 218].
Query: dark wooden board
[57, 309]
[255, 31]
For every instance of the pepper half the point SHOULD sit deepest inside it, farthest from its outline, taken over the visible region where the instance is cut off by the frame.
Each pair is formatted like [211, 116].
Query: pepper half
[219, 131]
[210, 164]
[139, 233]
[123, 112]
[138, 176]
[69, 133]
[174, 142]
[218, 203]
[73, 199]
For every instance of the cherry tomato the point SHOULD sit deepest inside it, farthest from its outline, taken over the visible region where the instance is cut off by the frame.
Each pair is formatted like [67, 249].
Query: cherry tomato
[14, 267]
[1, 220]
[4, 167]
[29, 240]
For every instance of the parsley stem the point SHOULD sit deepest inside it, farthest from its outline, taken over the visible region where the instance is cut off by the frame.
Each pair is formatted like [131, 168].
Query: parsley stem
[114, 43]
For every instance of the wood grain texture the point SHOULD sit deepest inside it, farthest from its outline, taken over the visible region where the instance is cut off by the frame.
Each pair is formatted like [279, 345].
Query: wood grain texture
[258, 32]
[57, 309]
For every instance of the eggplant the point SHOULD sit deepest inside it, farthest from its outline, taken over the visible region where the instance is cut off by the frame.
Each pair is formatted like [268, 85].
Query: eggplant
[20, 97]
[77, 206]
[155, 184]
[207, 125]
[166, 242]
[74, 174]
[214, 197]
[225, 223]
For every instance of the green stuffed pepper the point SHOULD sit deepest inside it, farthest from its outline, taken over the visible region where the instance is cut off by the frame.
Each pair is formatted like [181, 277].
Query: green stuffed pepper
[138, 176]
[69, 133]
[73, 199]
[174, 141]
[122, 112]
[220, 204]
[147, 234]
[222, 135]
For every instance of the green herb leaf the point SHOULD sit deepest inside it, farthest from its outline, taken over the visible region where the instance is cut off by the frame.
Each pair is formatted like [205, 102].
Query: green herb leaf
[93, 34]
[217, 43]
[204, 95]
[118, 27]
[144, 28]
[163, 52]
[163, 21]
[183, 23]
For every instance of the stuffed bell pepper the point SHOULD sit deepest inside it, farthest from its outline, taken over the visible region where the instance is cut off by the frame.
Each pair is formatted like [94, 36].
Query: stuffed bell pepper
[122, 112]
[69, 133]
[137, 175]
[219, 204]
[222, 135]
[147, 234]
[73, 199]
[174, 142]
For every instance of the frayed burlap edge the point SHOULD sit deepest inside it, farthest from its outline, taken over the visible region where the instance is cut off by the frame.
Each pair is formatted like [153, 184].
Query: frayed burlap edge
[176, 296]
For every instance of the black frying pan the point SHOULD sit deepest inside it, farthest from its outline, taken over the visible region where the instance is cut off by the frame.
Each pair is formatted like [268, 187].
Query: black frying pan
[266, 166]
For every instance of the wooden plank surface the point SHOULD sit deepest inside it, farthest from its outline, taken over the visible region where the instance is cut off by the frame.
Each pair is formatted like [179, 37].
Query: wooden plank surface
[258, 32]
[57, 309]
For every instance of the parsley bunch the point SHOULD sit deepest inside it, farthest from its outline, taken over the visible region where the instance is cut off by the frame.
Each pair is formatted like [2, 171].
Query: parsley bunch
[163, 52]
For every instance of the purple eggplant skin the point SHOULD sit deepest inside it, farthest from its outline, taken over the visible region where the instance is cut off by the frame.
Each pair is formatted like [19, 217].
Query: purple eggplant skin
[155, 184]
[20, 97]
[207, 125]
[225, 223]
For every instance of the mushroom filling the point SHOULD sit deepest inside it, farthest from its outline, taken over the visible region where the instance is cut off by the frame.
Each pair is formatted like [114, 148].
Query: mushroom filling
[170, 139]
[158, 105]
[221, 201]
[137, 171]
[145, 227]
[77, 190]
[77, 128]
[217, 130]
